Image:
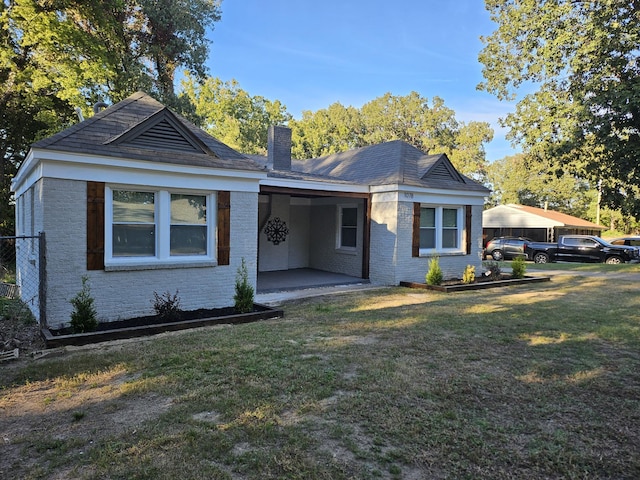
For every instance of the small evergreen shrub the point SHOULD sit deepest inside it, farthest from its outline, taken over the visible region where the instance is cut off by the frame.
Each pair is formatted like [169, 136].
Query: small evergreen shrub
[167, 306]
[518, 267]
[84, 315]
[434, 275]
[469, 275]
[493, 271]
[244, 291]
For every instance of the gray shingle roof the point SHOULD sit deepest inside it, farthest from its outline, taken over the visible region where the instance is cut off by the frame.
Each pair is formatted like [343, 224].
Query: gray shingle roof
[395, 162]
[142, 128]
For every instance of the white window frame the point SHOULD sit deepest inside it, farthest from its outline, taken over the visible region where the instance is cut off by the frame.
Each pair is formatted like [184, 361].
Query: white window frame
[439, 249]
[162, 218]
[340, 209]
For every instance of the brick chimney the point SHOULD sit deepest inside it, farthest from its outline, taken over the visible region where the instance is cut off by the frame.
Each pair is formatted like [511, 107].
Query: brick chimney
[279, 148]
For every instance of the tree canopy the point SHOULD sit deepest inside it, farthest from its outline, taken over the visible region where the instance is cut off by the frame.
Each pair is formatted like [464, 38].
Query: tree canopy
[525, 180]
[232, 115]
[578, 62]
[428, 126]
[59, 56]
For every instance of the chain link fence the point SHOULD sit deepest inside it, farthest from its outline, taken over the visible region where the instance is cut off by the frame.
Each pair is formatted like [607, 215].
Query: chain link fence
[22, 268]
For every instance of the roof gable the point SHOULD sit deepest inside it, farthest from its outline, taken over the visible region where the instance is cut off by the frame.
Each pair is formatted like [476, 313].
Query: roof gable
[163, 131]
[393, 162]
[441, 170]
[141, 128]
[516, 215]
[562, 218]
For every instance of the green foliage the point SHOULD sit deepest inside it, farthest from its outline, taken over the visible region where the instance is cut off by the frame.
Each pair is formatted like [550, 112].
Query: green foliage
[244, 295]
[434, 275]
[15, 310]
[167, 306]
[469, 274]
[431, 128]
[84, 315]
[518, 267]
[55, 56]
[583, 112]
[233, 116]
[529, 180]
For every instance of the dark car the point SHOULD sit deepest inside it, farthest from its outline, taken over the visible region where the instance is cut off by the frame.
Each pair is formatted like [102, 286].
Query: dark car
[506, 248]
[628, 241]
[580, 248]
[631, 241]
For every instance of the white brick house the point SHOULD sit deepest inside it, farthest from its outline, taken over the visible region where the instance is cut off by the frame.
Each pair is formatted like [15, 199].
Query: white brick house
[141, 201]
[398, 207]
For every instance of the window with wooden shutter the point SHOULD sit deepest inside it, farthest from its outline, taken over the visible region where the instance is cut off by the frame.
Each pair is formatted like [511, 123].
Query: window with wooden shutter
[224, 227]
[467, 228]
[415, 247]
[438, 229]
[144, 227]
[95, 225]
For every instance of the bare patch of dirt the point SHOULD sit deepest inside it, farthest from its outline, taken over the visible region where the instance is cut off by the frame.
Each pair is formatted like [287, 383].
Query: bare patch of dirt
[70, 416]
[16, 333]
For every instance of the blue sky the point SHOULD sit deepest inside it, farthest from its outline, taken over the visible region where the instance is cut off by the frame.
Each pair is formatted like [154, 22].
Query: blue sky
[309, 54]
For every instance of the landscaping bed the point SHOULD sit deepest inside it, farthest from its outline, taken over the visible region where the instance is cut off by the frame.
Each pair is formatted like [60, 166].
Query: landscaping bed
[151, 325]
[479, 283]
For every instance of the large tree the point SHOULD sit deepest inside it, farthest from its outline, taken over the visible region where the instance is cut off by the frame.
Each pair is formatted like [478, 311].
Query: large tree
[526, 180]
[232, 115]
[56, 56]
[577, 62]
[429, 126]
[330, 130]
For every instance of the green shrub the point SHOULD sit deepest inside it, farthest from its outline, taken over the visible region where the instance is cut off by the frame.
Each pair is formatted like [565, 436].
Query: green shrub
[518, 267]
[84, 315]
[15, 310]
[167, 306]
[493, 270]
[469, 275]
[434, 275]
[244, 291]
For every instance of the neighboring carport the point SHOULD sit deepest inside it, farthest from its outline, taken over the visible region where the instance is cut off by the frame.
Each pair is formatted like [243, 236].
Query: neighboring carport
[538, 224]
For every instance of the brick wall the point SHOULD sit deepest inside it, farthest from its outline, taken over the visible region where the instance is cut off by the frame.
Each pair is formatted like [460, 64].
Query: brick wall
[323, 252]
[391, 242]
[384, 242]
[123, 294]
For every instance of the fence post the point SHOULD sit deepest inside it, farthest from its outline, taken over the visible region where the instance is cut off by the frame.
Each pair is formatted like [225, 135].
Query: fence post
[42, 273]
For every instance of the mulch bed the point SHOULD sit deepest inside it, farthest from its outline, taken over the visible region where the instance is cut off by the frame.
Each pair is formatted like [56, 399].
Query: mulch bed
[151, 325]
[480, 283]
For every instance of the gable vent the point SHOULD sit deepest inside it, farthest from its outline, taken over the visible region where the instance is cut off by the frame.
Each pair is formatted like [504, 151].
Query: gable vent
[164, 136]
[443, 172]
[161, 131]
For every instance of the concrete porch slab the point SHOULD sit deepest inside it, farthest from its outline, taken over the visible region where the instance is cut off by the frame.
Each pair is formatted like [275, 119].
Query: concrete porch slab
[302, 278]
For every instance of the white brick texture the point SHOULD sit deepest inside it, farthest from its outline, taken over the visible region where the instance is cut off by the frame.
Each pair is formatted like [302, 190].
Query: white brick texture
[125, 294]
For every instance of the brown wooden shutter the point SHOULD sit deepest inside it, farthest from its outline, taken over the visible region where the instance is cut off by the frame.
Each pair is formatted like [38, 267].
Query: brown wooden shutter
[467, 227]
[95, 225]
[224, 227]
[415, 247]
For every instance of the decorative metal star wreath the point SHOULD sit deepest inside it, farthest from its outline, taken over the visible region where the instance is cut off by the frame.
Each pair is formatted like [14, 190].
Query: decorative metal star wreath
[276, 230]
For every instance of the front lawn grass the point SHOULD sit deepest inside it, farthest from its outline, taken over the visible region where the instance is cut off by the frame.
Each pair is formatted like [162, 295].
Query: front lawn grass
[527, 382]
